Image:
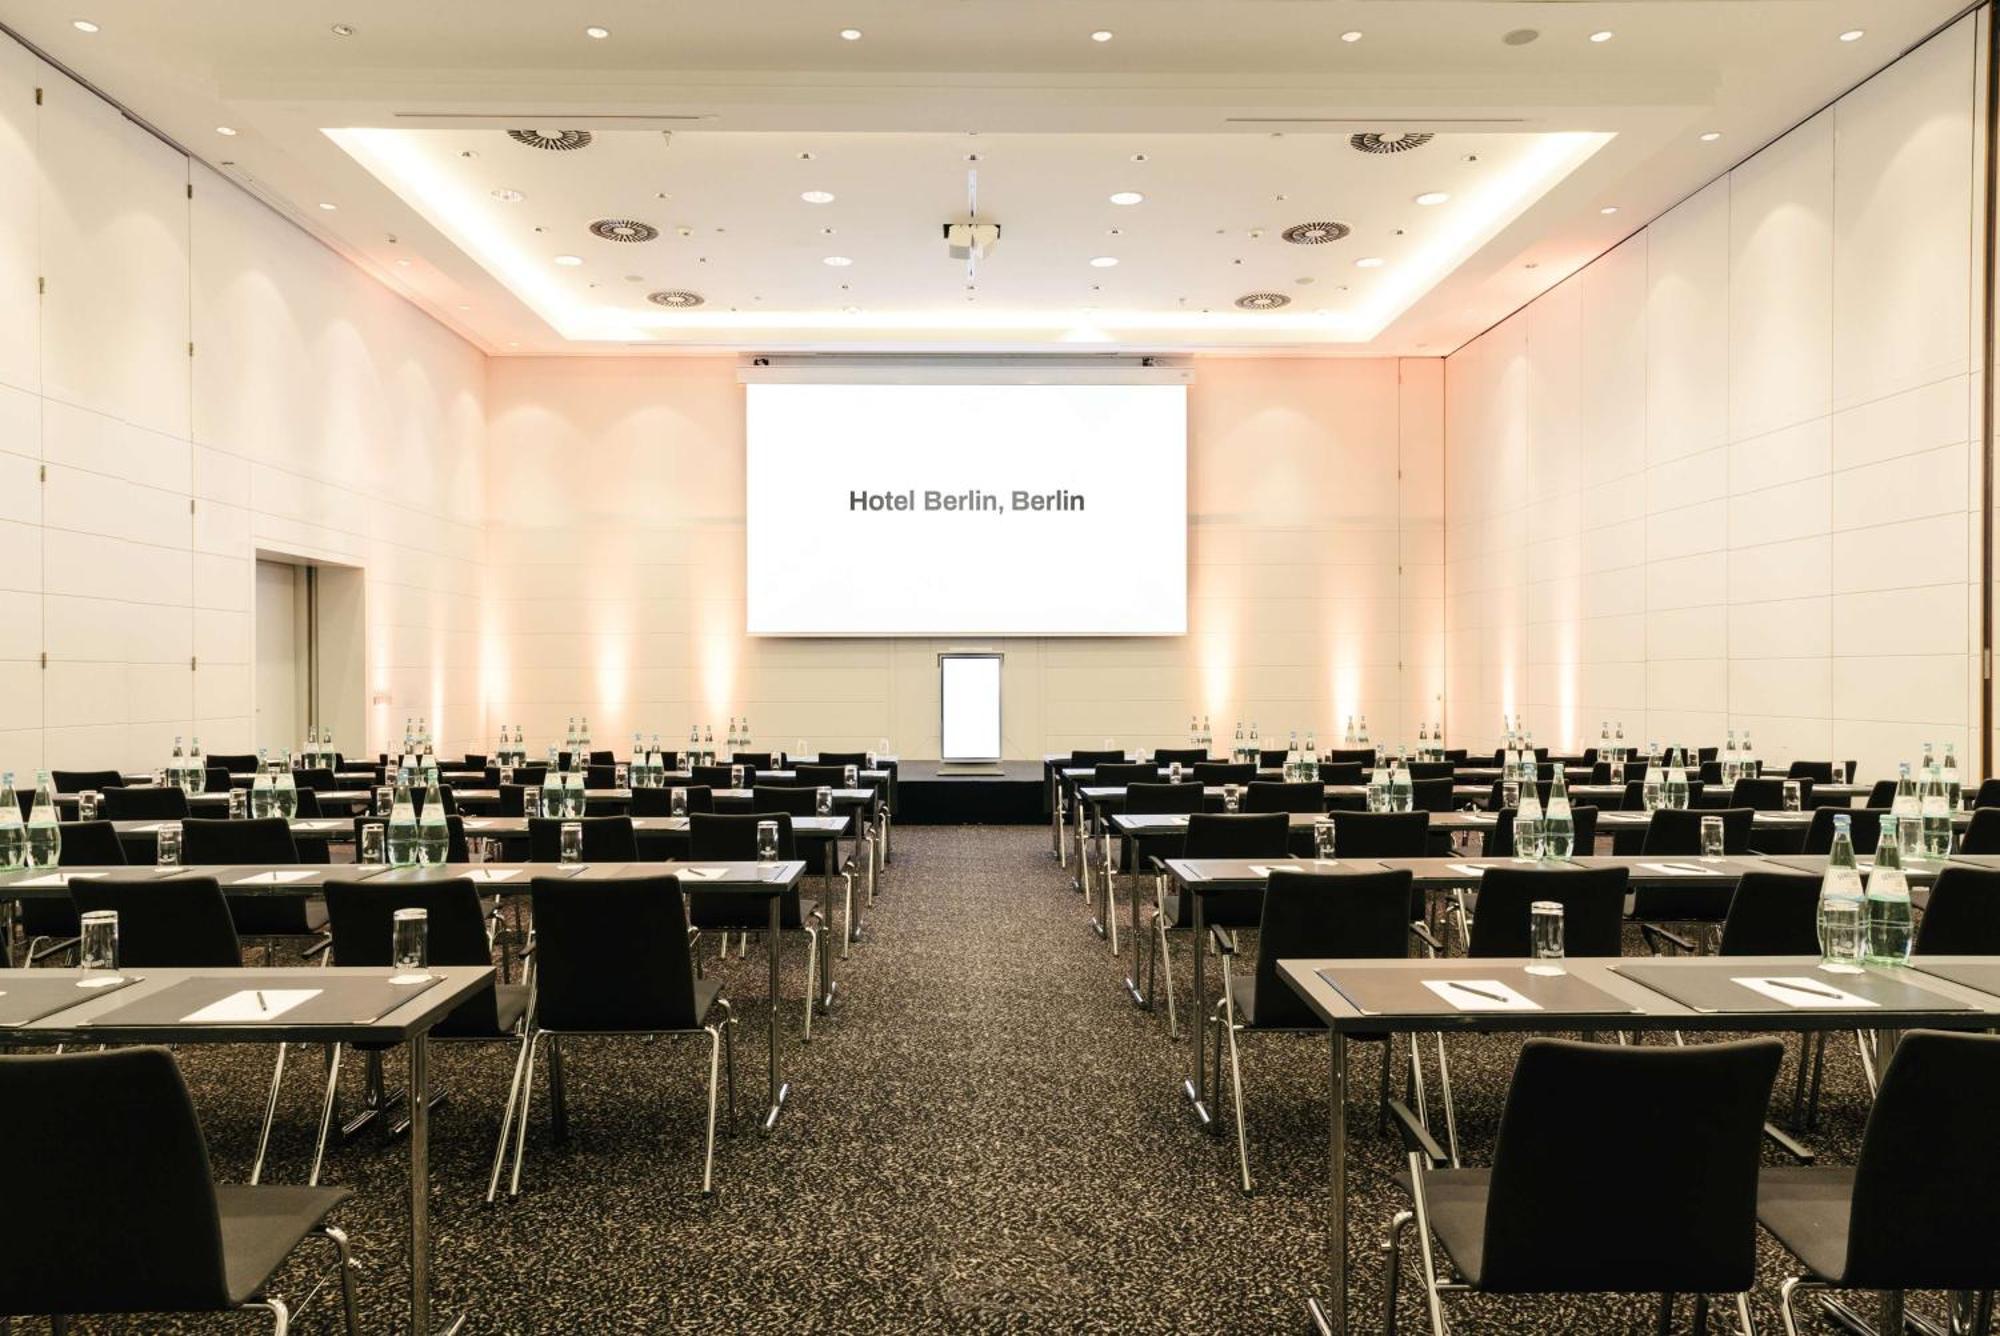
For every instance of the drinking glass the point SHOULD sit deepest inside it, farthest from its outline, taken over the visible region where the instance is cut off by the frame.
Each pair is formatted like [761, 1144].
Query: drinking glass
[621, 775]
[412, 942]
[1545, 923]
[1840, 935]
[823, 801]
[767, 841]
[1510, 793]
[385, 800]
[160, 776]
[1323, 841]
[168, 844]
[735, 776]
[572, 841]
[373, 843]
[851, 777]
[1231, 796]
[239, 804]
[1617, 772]
[1793, 802]
[506, 774]
[1711, 837]
[86, 805]
[531, 801]
[97, 947]
[677, 801]
[1174, 772]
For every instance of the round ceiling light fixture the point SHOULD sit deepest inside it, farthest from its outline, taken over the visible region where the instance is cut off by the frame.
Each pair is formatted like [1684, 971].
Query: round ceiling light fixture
[343, 30]
[1369, 262]
[837, 261]
[1389, 141]
[555, 141]
[1314, 234]
[83, 25]
[1102, 35]
[1854, 34]
[1103, 261]
[1602, 35]
[1430, 197]
[1263, 301]
[1521, 36]
[569, 261]
[675, 298]
[1128, 197]
[850, 34]
[1351, 35]
[623, 229]
[596, 32]
[507, 196]
[817, 196]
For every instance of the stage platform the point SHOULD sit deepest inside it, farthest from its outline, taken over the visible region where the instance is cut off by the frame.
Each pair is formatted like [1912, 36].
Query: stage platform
[926, 798]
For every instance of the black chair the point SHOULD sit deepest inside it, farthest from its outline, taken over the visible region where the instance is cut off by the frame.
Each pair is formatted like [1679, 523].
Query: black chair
[1305, 915]
[1820, 772]
[1676, 833]
[1770, 914]
[1223, 772]
[48, 924]
[240, 764]
[1768, 795]
[821, 776]
[1117, 774]
[732, 838]
[575, 995]
[456, 932]
[530, 776]
[755, 760]
[263, 840]
[791, 799]
[1553, 1215]
[1988, 795]
[1423, 770]
[721, 776]
[1213, 835]
[660, 802]
[145, 802]
[90, 844]
[1883, 794]
[512, 800]
[1499, 842]
[1982, 833]
[1593, 901]
[1342, 772]
[1864, 827]
[600, 777]
[606, 839]
[1432, 795]
[320, 780]
[76, 781]
[1963, 915]
[1185, 755]
[456, 848]
[860, 759]
[1381, 834]
[137, 1224]
[216, 780]
[1272, 796]
[1272, 758]
[1920, 1208]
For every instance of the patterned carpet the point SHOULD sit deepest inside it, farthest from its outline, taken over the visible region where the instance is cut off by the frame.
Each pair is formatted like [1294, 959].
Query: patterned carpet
[985, 1136]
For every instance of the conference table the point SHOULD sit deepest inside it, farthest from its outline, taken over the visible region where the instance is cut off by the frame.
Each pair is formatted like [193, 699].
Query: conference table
[352, 1006]
[1596, 996]
[766, 881]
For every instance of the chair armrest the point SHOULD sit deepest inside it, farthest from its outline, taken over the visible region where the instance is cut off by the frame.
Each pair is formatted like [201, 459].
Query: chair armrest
[1788, 1144]
[1655, 935]
[1417, 1138]
[1224, 946]
[1422, 932]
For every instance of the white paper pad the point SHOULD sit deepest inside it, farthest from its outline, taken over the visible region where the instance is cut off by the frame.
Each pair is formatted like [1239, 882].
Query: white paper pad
[1771, 986]
[272, 879]
[1470, 869]
[1680, 870]
[1266, 869]
[705, 873]
[1454, 992]
[246, 1006]
[495, 874]
[479, 825]
[48, 879]
[150, 828]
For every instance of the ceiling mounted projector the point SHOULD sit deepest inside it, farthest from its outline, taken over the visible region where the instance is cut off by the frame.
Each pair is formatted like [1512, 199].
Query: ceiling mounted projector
[971, 241]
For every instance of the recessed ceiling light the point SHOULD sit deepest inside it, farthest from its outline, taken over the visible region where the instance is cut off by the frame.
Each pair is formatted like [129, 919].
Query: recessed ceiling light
[1602, 35]
[1710, 136]
[1101, 35]
[817, 196]
[1854, 34]
[1369, 262]
[1128, 197]
[226, 130]
[507, 196]
[569, 261]
[599, 33]
[1350, 36]
[850, 34]
[1433, 197]
[1103, 261]
[403, 263]
[1609, 209]
[328, 207]
[838, 261]
[343, 30]
[83, 25]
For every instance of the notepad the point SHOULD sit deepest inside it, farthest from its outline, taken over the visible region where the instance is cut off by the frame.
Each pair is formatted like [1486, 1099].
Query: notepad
[705, 873]
[1266, 869]
[1480, 995]
[494, 874]
[1679, 870]
[479, 825]
[1803, 991]
[1470, 869]
[150, 828]
[280, 878]
[251, 1005]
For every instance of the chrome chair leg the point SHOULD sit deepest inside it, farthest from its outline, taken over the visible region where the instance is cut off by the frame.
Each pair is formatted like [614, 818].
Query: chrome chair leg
[1450, 1110]
[1397, 1224]
[1867, 1051]
[812, 978]
[527, 1102]
[1785, 1314]
[847, 917]
[1746, 1324]
[515, 1089]
[714, 1084]
[729, 1053]
[326, 1113]
[1226, 1017]
[281, 1317]
[1431, 1300]
[344, 1260]
[270, 1115]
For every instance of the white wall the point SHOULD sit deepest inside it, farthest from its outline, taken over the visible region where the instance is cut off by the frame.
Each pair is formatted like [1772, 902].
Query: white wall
[319, 415]
[1726, 477]
[615, 569]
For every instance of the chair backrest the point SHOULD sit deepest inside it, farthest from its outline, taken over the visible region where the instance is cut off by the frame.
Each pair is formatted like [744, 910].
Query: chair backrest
[1963, 916]
[1883, 794]
[1676, 831]
[1162, 799]
[1864, 826]
[1694, 1116]
[262, 840]
[1583, 830]
[1077, 759]
[1185, 755]
[1982, 833]
[1381, 834]
[1271, 796]
[145, 802]
[1593, 901]
[1820, 772]
[1767, 794]
[179, 923]
[1926, 1207]
[1772, 914]
[731, 837]
[1361, 756]
[1270, 758]
[362, 916]
[1337, 916]
[242, 763]
[1423, 770]
[600, 777]
[1224, 772]
[320, 780]
[816, 776]
[513, 800]
[1117, 774]
[531, 775]
[720, 776]
[788, 798]
[577, 919]
[1342, 772]
[76, 781]
[606, 839]
[1432, 795]
[860, 758]
[118, 1158]
[1237, 835]
[756, 760]
[660, 802]
[1988, 795]
[90, 844]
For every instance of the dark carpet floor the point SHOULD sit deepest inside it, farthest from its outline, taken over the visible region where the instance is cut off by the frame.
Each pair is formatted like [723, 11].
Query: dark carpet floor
[985, 1136]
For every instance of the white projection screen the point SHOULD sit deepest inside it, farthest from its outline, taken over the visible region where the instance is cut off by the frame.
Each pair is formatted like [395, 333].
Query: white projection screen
[966, 509]
[969, 707]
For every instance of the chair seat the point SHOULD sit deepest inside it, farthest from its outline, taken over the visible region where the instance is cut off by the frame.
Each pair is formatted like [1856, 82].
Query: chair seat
[261, 1226]
[1457, 1202]
[1807, 1210]
[705, 993]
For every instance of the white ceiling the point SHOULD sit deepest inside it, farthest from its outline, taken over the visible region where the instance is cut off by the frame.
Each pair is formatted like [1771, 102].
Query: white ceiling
[1231, 117]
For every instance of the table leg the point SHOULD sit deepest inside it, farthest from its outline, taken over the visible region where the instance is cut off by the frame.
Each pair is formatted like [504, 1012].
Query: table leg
[1197, 1089]
[1139, 998]
[1330, 1316]
[826, 930]
[778, 1087]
